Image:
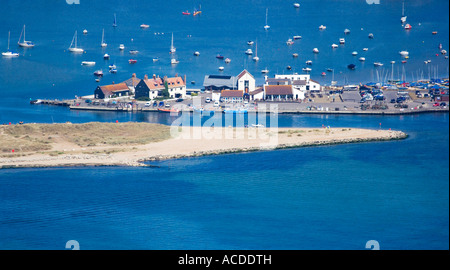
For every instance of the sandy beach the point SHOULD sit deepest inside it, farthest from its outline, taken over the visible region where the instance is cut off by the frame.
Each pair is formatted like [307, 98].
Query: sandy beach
[177, 142]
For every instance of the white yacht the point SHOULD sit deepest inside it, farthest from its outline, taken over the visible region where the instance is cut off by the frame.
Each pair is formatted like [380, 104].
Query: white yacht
[362, 59]
[103, 44]
[24, 43]
[122, 47]
[315, 50]
[9, 53]
[342, 40]
[249, 52]
[88, 63]
[266, 26]
[334, 46]
[73, 46]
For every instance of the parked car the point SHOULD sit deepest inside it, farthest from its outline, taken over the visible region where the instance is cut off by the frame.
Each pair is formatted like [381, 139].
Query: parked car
[436, 104]
[443, 104]
[207, 100]
[179, 100]
[148, 104]
[393, 100]
[216, 104]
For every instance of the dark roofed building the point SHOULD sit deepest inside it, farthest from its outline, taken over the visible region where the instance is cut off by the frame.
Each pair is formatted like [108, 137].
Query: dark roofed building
[113, 90]
[278, 92]
[132, 82]
[232, 95]
[273, 81]
[219, 82]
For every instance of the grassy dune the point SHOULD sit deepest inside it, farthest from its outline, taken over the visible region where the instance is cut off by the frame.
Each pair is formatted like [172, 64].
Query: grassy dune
[40, 137]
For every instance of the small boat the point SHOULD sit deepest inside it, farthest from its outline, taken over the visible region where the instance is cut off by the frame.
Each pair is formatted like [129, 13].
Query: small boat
[132, 61]
[97, 79]
[295, 55]
[365, 49]
[85, 32]
[172, 48]
[196, 53]
[403, 18]
[362, 59]
[324, 74]
[264, 71]
[392, 62]
[329, 69]
[342, 41]
[346, 31]
[266, 26]
[296, 5]
[98, 73]
[404, 53]
[134, 52]
[145, 26]
[219, 56]
[354, 53]
[122, 47]
[112, 66]
[103, 44]
[155, 59]
[106, 56]
[114, 71]
[322, 27]
[186, 13]
[309, 62]
[227, 60]
[378, 64]
[250, 42]
[404, 62]
[351, 66]
[174, 61]
[256, 58]
[115, 21]
[408, 26]
[297, 37]
[192, 82]
[75, 48]
[248, 52]
[9, 53]
[168, 110]
[440, 46]
[24, 43]
[235, 111]
[289, 42]
[221, 68]
[334, 46]
[371, 36]
[288, 67]
[88, 63]
[306, 69]
[197, 12]
[315, 50]
[444, 52]
[434, 32]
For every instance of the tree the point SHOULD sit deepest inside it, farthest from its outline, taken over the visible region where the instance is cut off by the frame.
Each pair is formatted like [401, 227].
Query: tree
[165, 92]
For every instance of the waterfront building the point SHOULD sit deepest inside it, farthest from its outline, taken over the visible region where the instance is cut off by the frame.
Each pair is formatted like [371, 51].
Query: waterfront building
[244, 82]
[152, 88]
[111, 91]
[300, 84]
[132, 83]
[233, 96]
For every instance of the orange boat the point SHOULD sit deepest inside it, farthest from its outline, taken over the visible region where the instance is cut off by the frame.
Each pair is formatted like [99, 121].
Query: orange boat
[168, 110]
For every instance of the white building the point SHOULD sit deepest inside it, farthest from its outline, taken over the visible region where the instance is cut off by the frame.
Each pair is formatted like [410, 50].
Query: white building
[246, 82]
[301, 84]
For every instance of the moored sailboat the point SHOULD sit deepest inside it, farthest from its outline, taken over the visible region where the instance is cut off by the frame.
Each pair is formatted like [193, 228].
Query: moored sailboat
[24, 43]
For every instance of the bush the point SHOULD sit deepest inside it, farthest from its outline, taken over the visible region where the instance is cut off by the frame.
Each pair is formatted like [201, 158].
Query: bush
[143, 99]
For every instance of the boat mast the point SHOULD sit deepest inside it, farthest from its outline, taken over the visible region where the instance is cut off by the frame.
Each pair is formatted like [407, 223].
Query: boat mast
[9, 34]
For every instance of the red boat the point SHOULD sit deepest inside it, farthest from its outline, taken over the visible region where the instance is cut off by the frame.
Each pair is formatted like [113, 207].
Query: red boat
[324, 74]
[404, 62]
[408, 26]
[132, 61]
[168, 110]
[219, 56]
[186, 13]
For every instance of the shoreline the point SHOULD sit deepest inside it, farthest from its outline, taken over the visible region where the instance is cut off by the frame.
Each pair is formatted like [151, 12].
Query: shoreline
[212, 141]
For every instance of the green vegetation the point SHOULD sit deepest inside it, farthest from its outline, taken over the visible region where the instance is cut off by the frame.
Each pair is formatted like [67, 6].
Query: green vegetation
[40, 137]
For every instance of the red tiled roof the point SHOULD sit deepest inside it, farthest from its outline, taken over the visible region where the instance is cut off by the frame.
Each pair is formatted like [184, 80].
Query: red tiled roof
[232, 93]
[154, 84]
[174, 82]
[114, 87]
[278, 90]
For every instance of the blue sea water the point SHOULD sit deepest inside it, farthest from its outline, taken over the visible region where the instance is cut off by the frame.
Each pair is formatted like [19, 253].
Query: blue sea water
[330, 197]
